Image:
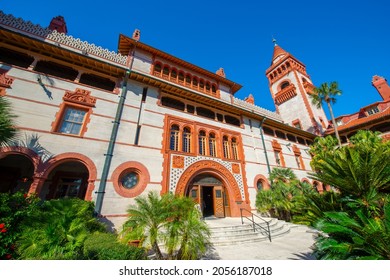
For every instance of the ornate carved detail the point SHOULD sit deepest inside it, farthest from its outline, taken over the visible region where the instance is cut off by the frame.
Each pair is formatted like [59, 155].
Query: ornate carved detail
[212, 167]
[5, 81]
[80, 96]
[178, 162]
[276, 146]
[10, 22]
[236, 168]
[296, 150]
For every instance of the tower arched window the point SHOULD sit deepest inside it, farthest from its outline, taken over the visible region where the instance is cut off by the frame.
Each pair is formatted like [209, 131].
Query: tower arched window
[187, 140]
[212, 145]
[284, 85]
[174, 138]
[234, 148]
[202, 142]
[226, 148]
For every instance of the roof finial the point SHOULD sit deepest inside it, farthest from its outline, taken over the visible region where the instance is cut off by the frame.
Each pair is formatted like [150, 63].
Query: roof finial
[274, 41]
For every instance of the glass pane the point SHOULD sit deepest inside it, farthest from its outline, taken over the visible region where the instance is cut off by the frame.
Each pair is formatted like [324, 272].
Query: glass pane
[130, 180]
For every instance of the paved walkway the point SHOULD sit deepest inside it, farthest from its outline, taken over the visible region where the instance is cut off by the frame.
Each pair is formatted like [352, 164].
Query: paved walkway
[296, 245]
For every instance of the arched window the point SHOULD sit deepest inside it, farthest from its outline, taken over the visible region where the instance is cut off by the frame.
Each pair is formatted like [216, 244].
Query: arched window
[205, 113]
[226, 148]
[212, 145]
[201, 85]
[208, 87]
[195, 82]
[284, 85]
[181, 77]
[260, 185]
[166, 71]
[157, 69]
[188, 80]
[234, 148]
[232, 120]
[174, 138]
[202, 142]
[213, 89]
[304, 80]
[187, 140]
[174, 74]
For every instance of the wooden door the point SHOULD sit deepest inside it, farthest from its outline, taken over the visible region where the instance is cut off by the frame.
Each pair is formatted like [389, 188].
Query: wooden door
[219, 209]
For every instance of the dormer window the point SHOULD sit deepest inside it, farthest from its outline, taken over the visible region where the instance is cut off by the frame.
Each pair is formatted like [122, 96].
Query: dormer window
[339, 122]
[372, 110]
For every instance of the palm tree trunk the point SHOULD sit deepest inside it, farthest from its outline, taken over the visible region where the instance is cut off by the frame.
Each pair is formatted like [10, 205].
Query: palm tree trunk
[334, 123]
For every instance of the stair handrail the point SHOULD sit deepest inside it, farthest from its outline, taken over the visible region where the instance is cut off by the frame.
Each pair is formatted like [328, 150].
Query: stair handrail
[254, 224]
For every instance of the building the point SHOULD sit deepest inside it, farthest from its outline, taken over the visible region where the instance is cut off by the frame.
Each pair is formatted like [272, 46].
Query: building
[121, 124]
[374, 117]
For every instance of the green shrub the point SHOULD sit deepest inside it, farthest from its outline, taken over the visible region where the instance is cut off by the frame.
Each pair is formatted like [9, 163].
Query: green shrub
[105, 246]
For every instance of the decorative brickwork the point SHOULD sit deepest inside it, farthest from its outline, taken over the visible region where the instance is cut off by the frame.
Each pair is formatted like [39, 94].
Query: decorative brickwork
[80, 96]
[177, 162]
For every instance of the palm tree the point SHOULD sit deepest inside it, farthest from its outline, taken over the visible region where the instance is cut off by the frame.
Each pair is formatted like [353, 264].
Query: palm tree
[357, 169]
[7, 128]
[148, 217]
[354, 235]
[186, 231]
[327, 93]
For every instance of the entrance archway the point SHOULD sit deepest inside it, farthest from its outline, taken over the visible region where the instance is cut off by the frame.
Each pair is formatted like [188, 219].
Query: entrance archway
[229, 184]
[68, 179]
[209, 192]
[16, 173]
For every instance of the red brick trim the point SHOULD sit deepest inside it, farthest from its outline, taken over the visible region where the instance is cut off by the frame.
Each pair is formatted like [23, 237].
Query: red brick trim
[130, 166]
[266, 184]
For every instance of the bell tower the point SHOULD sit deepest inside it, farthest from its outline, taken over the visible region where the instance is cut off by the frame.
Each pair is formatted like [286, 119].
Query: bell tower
[291, 88]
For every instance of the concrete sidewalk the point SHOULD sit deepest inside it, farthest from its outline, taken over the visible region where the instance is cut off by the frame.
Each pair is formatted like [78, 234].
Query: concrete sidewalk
[296, 245]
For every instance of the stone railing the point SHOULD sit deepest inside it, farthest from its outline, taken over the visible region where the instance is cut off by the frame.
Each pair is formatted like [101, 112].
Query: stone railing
[285, 94]
[45, 34]
[256, 109]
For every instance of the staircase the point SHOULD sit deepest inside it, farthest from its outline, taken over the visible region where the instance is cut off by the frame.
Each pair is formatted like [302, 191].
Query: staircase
[229, 231]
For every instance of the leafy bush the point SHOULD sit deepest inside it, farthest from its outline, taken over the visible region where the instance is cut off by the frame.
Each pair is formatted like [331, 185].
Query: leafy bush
[105, 246]
[58, 229]
[15, 209]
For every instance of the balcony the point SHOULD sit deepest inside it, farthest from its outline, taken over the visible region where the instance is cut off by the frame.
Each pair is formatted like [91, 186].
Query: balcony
[285, 94]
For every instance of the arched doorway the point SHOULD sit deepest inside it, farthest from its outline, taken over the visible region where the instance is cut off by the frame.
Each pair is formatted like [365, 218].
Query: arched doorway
[209, 192]
[67, 179]
[16, 173]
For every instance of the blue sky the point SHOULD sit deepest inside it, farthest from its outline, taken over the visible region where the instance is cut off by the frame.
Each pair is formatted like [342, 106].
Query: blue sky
[343, 41]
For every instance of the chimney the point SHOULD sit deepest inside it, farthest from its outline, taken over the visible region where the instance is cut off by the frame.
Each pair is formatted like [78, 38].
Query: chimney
[58, 23]
[381, 86]
[137, 35]
[220, 72]
[250, 99]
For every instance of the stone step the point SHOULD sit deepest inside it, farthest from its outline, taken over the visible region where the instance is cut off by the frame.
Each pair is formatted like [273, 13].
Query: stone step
[231, 231]
[240, 229]
[248, 238]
